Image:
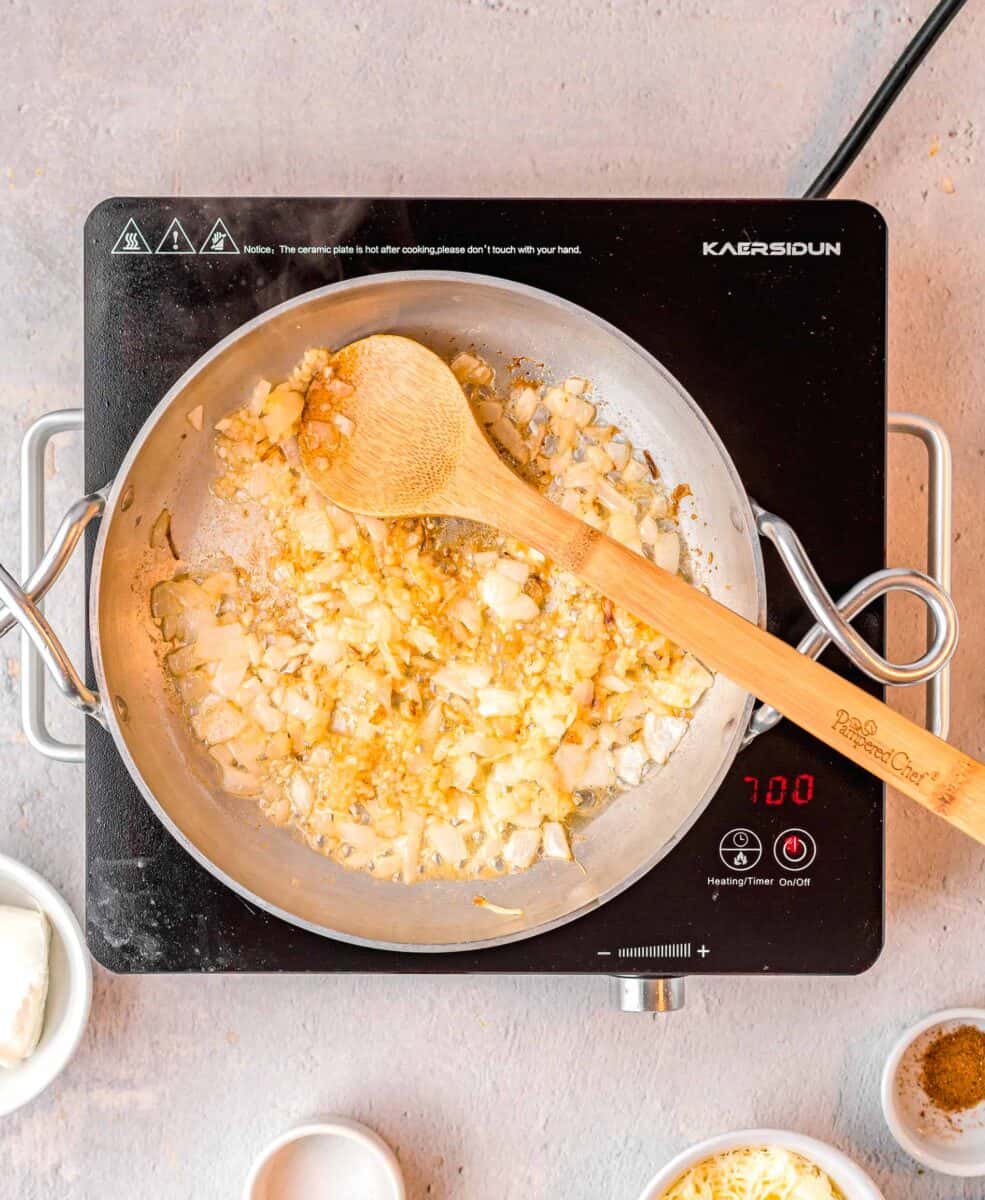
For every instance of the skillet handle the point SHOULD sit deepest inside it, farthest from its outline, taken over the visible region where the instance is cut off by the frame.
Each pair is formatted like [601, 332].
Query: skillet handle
[941, 628]
[40, 647]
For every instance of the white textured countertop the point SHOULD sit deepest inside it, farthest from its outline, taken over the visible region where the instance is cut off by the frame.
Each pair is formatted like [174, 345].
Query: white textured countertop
[492, 1089]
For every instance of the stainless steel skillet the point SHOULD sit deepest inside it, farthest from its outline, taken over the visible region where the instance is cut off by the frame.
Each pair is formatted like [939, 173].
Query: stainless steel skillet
[168, 466]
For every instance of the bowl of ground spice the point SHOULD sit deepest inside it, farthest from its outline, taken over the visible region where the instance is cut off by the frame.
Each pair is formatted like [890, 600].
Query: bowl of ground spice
[933, 1091]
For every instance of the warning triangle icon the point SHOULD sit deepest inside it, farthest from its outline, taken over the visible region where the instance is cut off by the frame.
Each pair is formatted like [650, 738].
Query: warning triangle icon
[175, 240]
[131, 240]
[219, 241]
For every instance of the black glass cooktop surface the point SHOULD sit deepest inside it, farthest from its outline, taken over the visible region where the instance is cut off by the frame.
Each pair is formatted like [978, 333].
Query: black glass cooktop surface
[771, 315]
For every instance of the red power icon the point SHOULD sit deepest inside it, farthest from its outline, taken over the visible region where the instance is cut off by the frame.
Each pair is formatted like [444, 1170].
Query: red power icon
[794, 849]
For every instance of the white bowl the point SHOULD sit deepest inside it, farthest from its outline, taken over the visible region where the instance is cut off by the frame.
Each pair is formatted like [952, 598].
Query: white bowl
[69, 986]
[851, 1179]
[333, 1157]
[953, 1144]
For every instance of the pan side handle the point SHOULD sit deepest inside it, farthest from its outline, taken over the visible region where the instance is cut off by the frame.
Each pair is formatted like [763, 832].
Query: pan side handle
[933, 668]
[40, 647]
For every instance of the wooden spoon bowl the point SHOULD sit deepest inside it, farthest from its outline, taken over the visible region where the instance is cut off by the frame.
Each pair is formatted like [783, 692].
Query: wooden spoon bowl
[411, 428]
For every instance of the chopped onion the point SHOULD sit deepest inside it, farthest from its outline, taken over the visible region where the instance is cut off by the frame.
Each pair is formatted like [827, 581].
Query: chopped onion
[467, 611]
[413, 706]
[497, 702]
[583, 475]
[598, 460]
[613, 500]
[523, 608]
[218, 723]
[454, 679]
[523, 402]
[281, 411]
[556, 841]
[513, 569]
[302, 795]
[667, 551]
[623, 528]
[556, 401]
[661, 736]
[599, 772]
[497, 589]
[505, 433]
[447, 842]
[629, 761]
[522, 848]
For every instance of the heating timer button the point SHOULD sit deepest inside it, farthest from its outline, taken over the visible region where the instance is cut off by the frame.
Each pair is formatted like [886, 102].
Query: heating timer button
[740, 850]
[795, 850]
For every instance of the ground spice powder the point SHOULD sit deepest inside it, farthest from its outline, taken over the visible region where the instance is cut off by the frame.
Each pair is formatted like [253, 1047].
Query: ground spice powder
[952, 1070]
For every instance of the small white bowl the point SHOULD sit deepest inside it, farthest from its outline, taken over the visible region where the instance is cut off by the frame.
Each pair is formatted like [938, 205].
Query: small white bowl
[332, 1157]
[69, 986]
[951, 1143]
[849, 1178]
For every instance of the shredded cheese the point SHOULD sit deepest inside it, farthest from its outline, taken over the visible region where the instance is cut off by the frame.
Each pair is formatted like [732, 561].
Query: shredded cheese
[754, 1173]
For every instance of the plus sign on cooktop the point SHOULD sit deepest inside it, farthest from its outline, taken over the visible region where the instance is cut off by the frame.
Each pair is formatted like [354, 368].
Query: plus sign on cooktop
[786, 361]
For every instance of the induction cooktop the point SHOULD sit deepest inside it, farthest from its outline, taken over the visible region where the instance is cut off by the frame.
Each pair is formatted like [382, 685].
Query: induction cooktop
[772, 315]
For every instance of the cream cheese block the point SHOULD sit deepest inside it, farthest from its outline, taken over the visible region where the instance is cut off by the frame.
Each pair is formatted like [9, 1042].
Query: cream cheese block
[24, 939]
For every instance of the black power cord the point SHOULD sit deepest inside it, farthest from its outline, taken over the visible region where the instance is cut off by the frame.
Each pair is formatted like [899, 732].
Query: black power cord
[879, 105]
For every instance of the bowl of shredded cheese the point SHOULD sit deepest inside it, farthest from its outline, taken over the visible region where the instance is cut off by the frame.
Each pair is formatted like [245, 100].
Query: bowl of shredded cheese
[762, 1164]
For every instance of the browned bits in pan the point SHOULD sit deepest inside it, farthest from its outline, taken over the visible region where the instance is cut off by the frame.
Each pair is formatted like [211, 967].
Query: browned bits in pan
[677, 495]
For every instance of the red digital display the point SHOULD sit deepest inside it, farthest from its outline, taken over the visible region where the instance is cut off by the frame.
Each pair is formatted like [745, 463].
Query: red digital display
[780, 789]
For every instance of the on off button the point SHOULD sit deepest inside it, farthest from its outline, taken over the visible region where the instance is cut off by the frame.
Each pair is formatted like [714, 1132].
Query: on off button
[795, 850]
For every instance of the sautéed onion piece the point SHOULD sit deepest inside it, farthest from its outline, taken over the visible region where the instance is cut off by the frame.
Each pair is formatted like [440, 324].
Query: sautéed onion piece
[423, 698]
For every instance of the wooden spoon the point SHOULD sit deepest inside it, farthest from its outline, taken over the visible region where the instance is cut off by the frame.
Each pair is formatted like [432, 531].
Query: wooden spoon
[415, 449]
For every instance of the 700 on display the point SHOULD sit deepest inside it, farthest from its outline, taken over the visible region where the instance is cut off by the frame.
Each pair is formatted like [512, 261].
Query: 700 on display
[777, 790]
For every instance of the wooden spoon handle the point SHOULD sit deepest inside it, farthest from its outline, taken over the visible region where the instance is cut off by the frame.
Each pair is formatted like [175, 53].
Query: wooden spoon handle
[904, 755]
